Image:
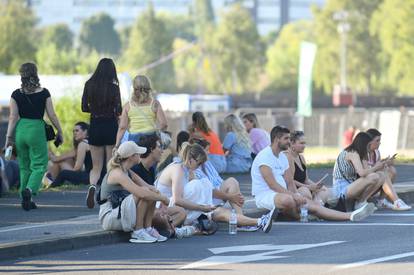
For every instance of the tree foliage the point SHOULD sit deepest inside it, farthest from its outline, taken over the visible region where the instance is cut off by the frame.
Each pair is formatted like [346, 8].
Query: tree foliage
[149, 41]
[362, 47]
[283, 56]
[17, 24]
[236, 50]
[59, 35]
[98, 33]
[392, 24]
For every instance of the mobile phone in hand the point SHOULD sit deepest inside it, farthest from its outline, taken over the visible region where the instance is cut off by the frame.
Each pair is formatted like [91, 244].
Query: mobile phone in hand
[320, 182]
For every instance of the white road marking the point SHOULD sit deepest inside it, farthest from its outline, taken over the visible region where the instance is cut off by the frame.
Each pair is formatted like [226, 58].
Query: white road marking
[275, 249]
[393, 214]
[373, 261]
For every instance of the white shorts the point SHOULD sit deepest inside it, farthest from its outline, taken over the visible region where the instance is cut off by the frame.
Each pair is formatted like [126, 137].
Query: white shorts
[109, 217]
[265, 200]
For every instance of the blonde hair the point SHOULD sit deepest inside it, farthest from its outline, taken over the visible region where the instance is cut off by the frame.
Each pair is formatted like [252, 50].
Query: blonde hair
[142, 92]
[192, 151]
[115, 162]
[234, 124]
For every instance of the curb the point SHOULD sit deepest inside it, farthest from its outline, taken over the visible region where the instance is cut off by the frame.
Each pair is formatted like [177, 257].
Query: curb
[35, 248]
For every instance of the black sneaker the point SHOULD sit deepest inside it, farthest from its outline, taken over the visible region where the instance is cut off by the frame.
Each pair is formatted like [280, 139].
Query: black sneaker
[26, 199]
[90, 197]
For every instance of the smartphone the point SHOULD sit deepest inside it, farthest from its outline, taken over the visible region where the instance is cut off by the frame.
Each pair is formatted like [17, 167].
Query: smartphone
[324, 177]
[393, 156]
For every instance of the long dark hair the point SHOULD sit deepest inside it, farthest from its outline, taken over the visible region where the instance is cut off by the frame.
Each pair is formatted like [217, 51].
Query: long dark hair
[84, 127]
[200, 122]
[360, 145]
[99, 83]
[29, 77]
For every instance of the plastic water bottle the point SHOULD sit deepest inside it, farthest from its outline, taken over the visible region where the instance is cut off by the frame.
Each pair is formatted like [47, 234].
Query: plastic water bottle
[233, 223]
[304, 213]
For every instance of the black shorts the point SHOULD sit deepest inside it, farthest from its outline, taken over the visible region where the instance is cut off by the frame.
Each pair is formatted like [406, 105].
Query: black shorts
[102, 131]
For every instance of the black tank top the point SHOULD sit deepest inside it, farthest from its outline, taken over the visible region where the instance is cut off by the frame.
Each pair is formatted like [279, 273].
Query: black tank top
[300, 172]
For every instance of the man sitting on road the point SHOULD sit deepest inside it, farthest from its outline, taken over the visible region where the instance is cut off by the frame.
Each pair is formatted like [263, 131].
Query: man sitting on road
[270, 189]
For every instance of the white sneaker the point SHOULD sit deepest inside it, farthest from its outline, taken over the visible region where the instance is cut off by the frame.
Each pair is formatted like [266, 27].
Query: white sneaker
[384, 203]
[400, 205]
[266, 221]
[141, 236]
[247, 228]
[154, 233]
[359, 204]
[184, 231]
[362, 212]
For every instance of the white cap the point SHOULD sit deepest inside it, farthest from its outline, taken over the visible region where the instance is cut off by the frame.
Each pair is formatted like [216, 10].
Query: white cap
[129, 148]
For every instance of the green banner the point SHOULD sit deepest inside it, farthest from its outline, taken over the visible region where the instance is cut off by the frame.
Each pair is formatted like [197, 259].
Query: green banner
[307, 57]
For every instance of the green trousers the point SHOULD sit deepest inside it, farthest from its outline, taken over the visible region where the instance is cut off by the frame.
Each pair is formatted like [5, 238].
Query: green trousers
[31, 147]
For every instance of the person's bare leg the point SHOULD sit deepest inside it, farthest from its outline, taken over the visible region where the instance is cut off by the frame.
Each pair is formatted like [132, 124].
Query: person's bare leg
[177, 214]
[357, 190]
[231, 186]
[388, 188]
[149, 214]
[326, 213]
[304, 191]
[287, 205]
[373, 188]
[142, 207]
[222, 214]
[108, 153]
[98, 155]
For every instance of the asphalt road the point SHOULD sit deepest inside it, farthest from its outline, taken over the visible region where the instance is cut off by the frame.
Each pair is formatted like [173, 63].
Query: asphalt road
[382, 243]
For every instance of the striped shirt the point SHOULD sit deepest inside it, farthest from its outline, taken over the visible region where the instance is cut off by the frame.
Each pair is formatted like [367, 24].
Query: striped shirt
[344, 169]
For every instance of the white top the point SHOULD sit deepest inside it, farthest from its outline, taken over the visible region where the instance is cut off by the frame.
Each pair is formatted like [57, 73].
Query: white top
[278, 165]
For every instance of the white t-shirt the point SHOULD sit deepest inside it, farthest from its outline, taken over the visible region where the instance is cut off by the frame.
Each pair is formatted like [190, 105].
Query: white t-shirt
[278, 165]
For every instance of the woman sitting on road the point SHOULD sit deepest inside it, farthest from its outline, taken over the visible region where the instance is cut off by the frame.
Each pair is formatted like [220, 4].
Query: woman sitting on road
[236, 146]
[180, 183]
[388, 192]
[259, 138]
[73, 166]
[200, 129]
[299, 174]
[130, 201]
[352, 179]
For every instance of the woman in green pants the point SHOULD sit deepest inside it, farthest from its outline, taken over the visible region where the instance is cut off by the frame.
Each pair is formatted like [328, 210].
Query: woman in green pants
[27, 130]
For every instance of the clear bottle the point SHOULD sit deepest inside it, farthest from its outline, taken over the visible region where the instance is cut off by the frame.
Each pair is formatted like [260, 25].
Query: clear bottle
[304, 213]
[233, 223]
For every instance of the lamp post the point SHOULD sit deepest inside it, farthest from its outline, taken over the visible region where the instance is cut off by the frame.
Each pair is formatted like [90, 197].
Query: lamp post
[343, 28]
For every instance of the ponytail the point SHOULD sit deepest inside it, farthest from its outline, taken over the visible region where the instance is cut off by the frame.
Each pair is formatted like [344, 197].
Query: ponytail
[115, 162]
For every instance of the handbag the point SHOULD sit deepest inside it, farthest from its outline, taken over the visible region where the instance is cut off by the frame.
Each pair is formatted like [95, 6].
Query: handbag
[49, 131]
[116, 198]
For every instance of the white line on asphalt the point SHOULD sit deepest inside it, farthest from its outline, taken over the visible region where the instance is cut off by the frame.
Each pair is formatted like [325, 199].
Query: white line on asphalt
[341, 224]
[393, 214]
[373, 261]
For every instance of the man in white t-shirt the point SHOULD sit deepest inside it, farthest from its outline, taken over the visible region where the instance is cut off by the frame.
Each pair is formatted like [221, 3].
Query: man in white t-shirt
[269, 186]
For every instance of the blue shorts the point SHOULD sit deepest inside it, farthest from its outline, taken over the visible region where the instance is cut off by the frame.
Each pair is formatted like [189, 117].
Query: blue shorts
[340, 187]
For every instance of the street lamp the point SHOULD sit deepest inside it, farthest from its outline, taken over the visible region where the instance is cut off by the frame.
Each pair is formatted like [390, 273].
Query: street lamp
[343, 28]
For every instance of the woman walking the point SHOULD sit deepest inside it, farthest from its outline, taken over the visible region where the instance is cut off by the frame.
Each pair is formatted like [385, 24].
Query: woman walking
[27, 130]
[102, 99]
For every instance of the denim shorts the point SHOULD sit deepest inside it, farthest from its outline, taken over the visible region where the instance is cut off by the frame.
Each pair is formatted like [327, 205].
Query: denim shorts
[137, 136]
[340, 187]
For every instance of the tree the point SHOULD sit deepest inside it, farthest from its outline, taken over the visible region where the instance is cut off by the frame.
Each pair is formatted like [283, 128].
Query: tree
[236, 50]
[51, 60]
[203, 17]
[283, 56]
[17, 24]
[391, 23]
[98, 33]
[362, 48]
[149, 41]
[59, 35]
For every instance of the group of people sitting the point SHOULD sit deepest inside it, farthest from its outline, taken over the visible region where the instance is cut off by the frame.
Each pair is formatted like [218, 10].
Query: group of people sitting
[189, 196]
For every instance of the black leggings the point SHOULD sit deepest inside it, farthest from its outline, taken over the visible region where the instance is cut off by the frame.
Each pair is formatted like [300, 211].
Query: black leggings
[74, 177]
